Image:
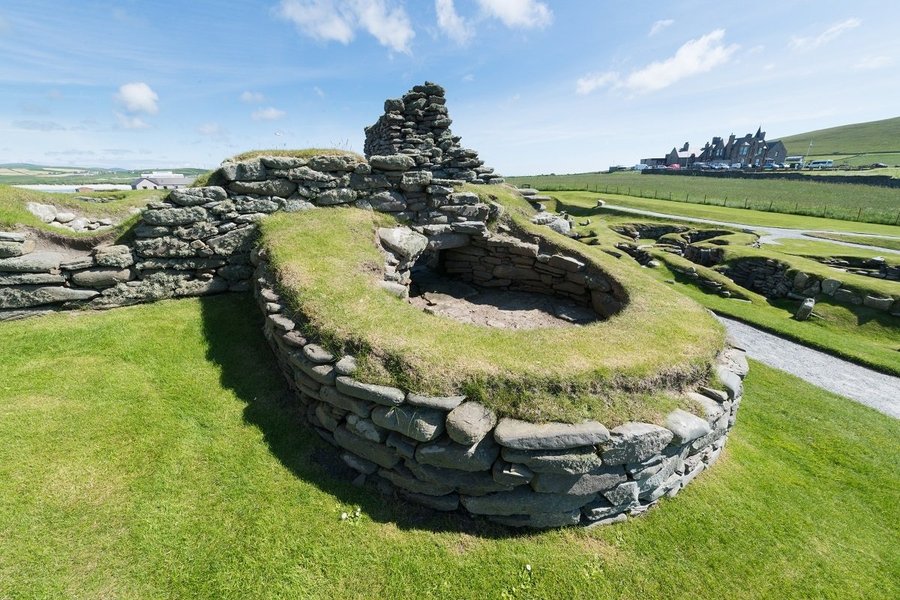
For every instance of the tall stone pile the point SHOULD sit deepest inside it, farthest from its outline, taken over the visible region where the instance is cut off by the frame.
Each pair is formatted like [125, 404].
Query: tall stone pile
[418, 125]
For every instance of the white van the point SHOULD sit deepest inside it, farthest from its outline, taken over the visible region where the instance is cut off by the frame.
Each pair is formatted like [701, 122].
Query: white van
[820, 164]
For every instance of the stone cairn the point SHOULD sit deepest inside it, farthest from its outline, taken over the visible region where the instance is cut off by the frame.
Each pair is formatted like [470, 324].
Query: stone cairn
[417, 125]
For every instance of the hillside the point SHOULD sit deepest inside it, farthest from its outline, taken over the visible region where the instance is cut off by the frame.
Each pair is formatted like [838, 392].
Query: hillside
[25, 173]
[874, 137]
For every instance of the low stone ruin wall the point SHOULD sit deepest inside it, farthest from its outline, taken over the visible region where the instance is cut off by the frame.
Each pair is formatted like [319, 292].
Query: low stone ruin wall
[775, 279]
[451, 454]
[507, 263]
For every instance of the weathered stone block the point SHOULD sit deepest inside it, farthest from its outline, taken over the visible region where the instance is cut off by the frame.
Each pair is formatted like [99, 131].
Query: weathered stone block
[445, 403]
[470, 422]
[197, 196]
[380, 394]
[418, 423]
[572, 461]
[450, 455]
[522, 435]
[333, 397]
[589, 483]
[685, 426]
[36, 262]
[377, 453]
[523, 500]
[635, 442]
[174, 216]
[101, 277]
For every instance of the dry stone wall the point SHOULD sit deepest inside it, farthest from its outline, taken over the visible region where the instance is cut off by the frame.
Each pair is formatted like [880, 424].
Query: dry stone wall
[417, 125]
[452, 454]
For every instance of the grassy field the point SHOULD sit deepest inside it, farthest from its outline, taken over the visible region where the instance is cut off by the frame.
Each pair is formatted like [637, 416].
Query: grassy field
[120, 206]
[28, 174]
[857, 138]
[853, 202]
[893, 243]
[137, 467]
[862, 335]
[585, 202]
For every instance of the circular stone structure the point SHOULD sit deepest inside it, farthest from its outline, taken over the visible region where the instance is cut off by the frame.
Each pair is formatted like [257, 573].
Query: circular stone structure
[453, 446]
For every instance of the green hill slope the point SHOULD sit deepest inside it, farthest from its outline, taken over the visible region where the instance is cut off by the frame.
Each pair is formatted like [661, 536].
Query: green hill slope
[873, 137]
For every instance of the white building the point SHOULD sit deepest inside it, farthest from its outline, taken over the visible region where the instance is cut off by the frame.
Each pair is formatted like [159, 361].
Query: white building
[165, 180]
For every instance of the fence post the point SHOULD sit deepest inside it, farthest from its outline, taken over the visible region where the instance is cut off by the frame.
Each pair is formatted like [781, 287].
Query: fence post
[858, 213]
[770, 205]
[687, 197]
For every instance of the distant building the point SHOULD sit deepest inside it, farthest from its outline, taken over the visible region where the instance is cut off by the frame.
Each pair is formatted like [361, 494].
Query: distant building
[750, 150]
[165, 180]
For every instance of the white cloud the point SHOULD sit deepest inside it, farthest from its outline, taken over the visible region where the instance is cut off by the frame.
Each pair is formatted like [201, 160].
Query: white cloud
[267, 114]
[249, 97]
[810, 43]
[659, 26]
[390, 26]
[468, 77]
[338, 20]
[318, 19]
[319, 92]
[524, 14]
[454, 26]
[593, 81]
[870, 63]
[694, 57]
[131, 122]
[138, 97]
[4, 26]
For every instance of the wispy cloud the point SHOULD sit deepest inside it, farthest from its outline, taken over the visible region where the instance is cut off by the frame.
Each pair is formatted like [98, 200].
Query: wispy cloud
[593, 81]
[138, 97]
[319, 91]
[830, 34]
[871, 63]
[267, 114]
[249, 97]
[454, 26]
[519, 14]
[38, 125]
[131, 122]
[692, 58]
[4, 25]
[338, 20]
[659, 26]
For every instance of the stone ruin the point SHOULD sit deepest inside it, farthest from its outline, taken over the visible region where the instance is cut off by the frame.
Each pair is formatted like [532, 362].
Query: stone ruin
[417, 125]
[447, 453]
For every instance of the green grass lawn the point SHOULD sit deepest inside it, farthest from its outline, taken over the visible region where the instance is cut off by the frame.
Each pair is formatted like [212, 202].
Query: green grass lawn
[856, 202]
[152, 452]
[586, 201]
[120, 207]
[892, 243]
[873, 136]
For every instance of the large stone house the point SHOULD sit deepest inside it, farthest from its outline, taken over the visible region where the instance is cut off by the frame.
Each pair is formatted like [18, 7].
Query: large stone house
[750, 150]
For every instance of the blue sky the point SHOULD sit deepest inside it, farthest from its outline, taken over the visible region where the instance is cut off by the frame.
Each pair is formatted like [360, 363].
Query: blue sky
[535, 86]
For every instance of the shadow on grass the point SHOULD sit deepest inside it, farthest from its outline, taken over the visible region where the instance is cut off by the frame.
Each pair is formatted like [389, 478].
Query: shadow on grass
[232, 325]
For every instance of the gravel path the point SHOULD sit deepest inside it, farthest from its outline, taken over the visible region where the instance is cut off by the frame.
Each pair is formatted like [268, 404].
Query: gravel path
[874, 389]
[769, 235]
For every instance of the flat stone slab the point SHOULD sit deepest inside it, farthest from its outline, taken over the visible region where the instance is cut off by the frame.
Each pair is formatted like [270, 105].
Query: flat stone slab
[380, 394]
[403, 241]
[450, 455]
[588, 483]
[572, 461]
[469, 422]
[36, 262]
[418, 423]
[377, 453]
[333, 397]
[523, 500]
[686, 426]
[13, 298]
[445, 403]
[521, 435]
[635, 442]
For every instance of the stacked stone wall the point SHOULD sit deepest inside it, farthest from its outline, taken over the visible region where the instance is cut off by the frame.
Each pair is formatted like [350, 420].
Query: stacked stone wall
[506, 263]
[417, 125]
[453, 454]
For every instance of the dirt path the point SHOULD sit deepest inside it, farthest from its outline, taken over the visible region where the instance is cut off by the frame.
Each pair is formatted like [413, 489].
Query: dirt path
[769, 235]
[874, 389]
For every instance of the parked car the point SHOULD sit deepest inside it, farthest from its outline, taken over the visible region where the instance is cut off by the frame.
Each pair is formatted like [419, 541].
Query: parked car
[736, 165]
[820, 164]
